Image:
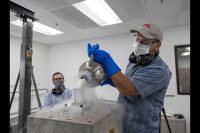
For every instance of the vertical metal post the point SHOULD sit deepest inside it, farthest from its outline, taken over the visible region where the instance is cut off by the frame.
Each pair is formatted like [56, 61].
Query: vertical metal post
[25, 76]
[15, 88]
[35, 87]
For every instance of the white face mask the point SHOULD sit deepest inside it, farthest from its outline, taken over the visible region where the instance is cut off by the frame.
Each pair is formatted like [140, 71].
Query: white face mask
[140, 49]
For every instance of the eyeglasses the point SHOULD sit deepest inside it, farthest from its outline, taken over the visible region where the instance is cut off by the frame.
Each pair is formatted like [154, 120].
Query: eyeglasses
[144, 41]
[58, 79]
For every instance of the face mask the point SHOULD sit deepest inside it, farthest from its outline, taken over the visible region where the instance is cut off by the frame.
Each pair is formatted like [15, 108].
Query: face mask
[58, 83]
[140, 49]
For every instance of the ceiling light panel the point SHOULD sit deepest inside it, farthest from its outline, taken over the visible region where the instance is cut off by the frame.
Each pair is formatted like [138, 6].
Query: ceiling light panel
[17, 32]
[99, 11]
[38, 27]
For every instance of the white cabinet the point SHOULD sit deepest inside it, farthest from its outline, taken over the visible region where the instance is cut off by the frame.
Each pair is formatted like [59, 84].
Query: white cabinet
[177, 125]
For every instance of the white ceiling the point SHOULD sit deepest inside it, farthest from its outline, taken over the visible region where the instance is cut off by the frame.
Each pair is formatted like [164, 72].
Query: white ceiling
[60, 14]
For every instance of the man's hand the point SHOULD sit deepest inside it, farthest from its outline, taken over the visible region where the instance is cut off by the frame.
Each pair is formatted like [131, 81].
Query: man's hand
[104, 58]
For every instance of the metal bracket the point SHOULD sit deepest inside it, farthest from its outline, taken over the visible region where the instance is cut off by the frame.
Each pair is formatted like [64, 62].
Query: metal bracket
[21, 11]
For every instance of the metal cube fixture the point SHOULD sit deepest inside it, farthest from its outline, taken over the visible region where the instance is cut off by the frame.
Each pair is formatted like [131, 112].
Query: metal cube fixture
[101, 117]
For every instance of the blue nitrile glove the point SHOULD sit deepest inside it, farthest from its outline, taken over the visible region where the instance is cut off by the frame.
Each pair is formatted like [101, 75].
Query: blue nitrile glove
[90, 47]
[104, 58]
[108, 81]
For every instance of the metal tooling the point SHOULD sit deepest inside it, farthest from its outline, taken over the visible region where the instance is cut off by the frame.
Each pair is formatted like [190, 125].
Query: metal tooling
[99, 117]
[25, 72]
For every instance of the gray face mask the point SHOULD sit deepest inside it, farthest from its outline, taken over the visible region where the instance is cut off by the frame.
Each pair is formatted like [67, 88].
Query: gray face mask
[58, 83]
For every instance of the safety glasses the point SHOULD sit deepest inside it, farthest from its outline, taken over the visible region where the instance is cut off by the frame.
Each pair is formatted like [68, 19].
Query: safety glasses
[143, 40]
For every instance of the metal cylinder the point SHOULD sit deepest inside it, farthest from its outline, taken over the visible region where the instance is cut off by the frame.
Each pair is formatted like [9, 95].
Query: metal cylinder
[92, 72]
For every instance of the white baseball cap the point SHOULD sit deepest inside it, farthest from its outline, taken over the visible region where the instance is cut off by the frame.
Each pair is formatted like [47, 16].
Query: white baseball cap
[150, 31]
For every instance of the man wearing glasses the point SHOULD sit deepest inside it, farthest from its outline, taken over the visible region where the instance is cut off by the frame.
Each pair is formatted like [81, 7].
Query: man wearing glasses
[59, 93]
[143, 86]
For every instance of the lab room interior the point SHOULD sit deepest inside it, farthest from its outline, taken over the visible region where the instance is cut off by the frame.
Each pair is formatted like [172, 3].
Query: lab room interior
[99, 66]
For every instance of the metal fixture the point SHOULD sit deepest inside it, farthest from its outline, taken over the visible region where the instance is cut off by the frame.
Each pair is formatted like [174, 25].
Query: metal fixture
[92, 72]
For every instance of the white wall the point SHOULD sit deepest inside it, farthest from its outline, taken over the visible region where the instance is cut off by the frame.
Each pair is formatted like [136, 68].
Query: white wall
[40, 61]
[179, 103]
[67, 59]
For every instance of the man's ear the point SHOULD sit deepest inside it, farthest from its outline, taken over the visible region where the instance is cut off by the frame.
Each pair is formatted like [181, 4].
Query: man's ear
[158, 46]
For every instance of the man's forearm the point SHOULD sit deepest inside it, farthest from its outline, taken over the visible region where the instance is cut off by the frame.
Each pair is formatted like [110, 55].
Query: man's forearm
[124, 85]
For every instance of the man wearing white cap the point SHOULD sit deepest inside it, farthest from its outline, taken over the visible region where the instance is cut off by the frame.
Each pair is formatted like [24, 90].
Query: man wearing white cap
[143, 86]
